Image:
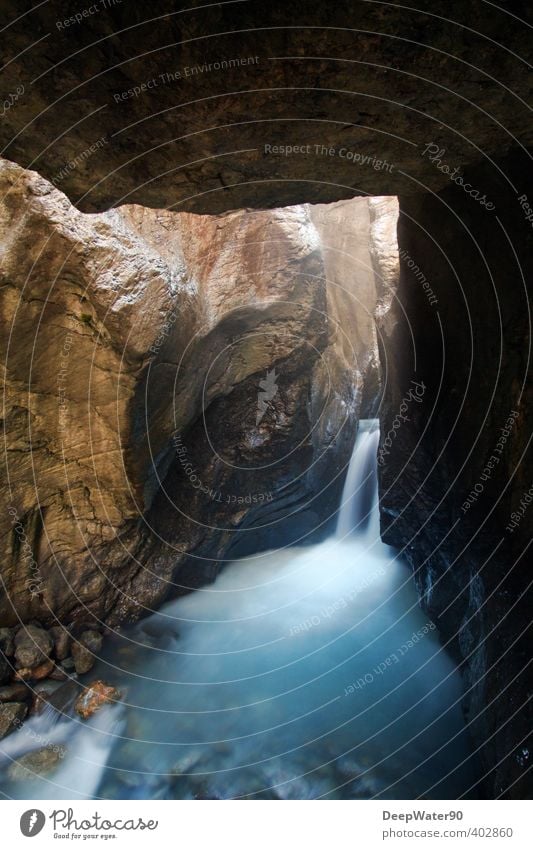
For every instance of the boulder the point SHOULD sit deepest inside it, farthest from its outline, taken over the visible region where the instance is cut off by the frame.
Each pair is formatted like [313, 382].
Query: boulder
[40, 762]
[33, 645]
[15, 693]
[35, 673]
[6, 669]
[11, 717]
[85, 651]
[99, 693]
[7, 645]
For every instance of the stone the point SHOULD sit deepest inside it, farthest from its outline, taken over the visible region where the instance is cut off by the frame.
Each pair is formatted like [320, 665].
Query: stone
[7, 645]
[12, 714]
[251, 322]
[83, 657]
[335, 80]
[41, 697]
[97, 694]
[6, 669]
[35, 673]
[62, 639]
[40, 762]
[32, 646]
[15, 693]
[92, 640]
[85, 650]
[64, 697]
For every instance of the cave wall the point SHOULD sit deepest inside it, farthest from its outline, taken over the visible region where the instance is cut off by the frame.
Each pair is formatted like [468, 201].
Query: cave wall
[455, 455]
[255, 104]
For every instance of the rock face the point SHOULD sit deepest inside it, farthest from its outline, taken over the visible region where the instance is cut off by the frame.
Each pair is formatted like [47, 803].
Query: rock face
[190, 107]
[187, 391]
[455, 476]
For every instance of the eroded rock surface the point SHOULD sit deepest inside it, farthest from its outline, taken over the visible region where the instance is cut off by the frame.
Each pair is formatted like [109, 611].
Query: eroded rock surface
[194, 109]
[456, 464]
[179, 389]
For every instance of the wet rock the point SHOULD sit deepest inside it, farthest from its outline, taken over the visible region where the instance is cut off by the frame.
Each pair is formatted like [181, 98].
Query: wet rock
[41, 762]
[6, 669]
[32, 646]
[85, 651]
[15, 693]
[388, 37]
[7, 645]
[62, 640]
[63, 699]
[37, 673]
[11, 717]
[58, 674]
[98, 694]
[83, 659]
[41, 697]
[92, 640]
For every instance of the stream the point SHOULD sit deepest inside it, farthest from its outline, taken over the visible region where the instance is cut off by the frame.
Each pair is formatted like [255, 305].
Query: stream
[304, 673]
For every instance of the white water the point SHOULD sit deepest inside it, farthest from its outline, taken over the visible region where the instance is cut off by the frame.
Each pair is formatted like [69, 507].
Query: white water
[290, 677]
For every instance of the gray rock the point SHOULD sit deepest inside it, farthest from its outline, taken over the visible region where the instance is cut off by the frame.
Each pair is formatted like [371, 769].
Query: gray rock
[7, 645]
[62, 640]
[15, 693]
[86, 650]
[39, 762]
[83, 657]
[11, 717]
[6, 669]
[33, 645]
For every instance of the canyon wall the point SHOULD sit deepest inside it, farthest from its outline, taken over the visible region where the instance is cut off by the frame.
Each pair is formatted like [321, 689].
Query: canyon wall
[178, 389]
[455, 455]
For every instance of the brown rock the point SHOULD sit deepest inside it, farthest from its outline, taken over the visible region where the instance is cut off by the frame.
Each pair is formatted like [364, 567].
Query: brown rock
[7, 645]
[37, 673]
[40, 762]
[62, 640]
[11, 717]
[94, 697]
[15, 693]
[32, 646]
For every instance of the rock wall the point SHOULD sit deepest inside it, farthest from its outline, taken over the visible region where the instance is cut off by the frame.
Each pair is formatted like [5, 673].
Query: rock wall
[455, 454]
[177, 390]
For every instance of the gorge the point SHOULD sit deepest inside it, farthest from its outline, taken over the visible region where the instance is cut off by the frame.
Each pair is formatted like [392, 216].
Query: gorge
[194, 322]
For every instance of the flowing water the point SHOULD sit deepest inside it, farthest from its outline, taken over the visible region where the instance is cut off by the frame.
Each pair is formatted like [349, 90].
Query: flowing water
[300, 673]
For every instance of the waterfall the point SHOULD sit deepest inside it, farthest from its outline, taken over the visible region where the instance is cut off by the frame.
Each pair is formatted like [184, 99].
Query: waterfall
[358, 509]
[300, 673]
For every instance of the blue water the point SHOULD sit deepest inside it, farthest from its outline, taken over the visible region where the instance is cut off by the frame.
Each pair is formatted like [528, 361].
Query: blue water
[299, 674]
